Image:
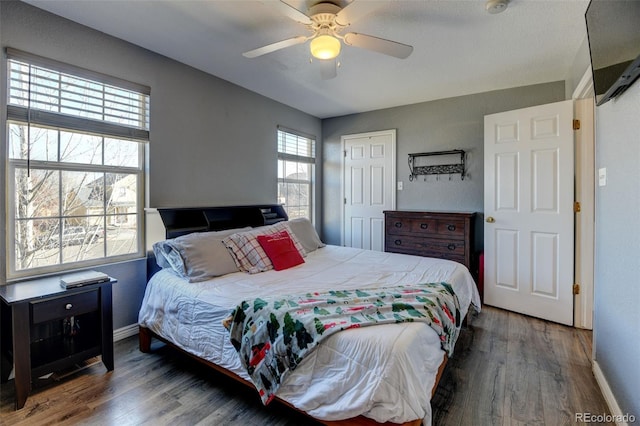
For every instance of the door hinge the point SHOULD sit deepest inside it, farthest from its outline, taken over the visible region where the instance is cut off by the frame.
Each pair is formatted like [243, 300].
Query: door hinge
[576, 124]
[345, 153]
[576, 207]
[576, 289]
[345, 201]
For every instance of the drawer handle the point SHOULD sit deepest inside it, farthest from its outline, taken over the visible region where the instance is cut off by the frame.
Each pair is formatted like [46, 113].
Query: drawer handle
[424, 225]
[451, 228]
[68, 306]
[398, 225]
[451, 247]
[398, 242]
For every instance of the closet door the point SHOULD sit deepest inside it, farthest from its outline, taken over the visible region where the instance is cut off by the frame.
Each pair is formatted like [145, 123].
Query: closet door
[368, 187]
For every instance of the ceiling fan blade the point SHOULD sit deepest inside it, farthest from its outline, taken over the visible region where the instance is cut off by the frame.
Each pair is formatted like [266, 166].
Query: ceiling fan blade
[328, 68]
[356, 10]
[293, 13]
[274, 46]
[380, 45]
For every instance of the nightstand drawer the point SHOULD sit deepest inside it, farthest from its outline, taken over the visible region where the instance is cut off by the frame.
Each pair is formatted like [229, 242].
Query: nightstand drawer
[66, 306]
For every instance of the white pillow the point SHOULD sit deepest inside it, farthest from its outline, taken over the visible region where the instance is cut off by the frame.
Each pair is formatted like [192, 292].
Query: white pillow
[306, 234]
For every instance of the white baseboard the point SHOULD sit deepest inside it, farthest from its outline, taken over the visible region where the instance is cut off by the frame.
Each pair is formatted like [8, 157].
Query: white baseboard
[616, 412]
[124, 332]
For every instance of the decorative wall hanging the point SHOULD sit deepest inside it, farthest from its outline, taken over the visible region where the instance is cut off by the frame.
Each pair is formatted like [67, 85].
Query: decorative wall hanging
[416, 169]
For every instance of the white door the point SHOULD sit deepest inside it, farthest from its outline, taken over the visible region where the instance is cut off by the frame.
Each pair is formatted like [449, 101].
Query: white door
[528, 207]
[368, 187]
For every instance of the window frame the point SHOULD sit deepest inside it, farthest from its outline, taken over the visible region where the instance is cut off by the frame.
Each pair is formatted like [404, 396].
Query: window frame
[284, 156]
[26, 116]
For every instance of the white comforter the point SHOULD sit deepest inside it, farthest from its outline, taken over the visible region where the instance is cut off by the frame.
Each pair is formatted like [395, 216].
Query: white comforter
[384, 372]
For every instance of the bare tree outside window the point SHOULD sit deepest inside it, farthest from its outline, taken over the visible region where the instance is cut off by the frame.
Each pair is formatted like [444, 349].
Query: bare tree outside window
[67, 216]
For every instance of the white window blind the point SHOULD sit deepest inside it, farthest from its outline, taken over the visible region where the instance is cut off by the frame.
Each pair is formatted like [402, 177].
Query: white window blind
[46, 92]
[296, 167]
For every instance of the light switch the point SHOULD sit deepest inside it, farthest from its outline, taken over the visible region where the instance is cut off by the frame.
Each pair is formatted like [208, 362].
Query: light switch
[400, 185]
[602, 176]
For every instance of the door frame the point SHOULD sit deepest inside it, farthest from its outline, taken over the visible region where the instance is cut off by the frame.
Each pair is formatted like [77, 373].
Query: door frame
[585, 195]
[343, 140]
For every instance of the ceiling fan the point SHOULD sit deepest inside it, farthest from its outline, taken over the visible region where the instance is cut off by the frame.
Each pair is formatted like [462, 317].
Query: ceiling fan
[326, 20]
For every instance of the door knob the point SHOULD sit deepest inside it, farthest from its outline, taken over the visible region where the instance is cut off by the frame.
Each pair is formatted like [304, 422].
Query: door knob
[490, 219]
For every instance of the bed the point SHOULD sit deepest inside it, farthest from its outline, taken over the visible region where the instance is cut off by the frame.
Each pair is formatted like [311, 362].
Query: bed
[368, 375]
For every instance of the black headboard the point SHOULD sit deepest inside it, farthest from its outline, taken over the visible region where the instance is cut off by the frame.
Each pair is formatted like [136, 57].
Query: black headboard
[185, 220]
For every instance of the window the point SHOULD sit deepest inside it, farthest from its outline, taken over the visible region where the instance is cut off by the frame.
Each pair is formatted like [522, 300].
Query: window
[296, 166]
[75, 142]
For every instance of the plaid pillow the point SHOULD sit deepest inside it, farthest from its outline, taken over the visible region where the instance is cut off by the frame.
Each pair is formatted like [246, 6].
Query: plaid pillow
[247, 252]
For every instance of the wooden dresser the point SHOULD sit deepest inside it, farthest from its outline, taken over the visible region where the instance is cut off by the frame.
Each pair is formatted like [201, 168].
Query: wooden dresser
[446, 235]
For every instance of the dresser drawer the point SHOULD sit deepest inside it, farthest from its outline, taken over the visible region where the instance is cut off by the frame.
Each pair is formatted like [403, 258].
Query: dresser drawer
[426, 226]
[423, 226]
[66, 306]
[415, 225]
[425, 246]
[451, 228]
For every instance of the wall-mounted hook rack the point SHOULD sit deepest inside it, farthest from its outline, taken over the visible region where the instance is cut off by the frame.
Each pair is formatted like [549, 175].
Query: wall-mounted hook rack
[436, 169]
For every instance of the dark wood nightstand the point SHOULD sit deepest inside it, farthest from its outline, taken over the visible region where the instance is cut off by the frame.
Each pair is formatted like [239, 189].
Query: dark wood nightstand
[46, 328]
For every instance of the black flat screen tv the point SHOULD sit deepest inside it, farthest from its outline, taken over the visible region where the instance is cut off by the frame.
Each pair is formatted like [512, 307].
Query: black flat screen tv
[613, 28]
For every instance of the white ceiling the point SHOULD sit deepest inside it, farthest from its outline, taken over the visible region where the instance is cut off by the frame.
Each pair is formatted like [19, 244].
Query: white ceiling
[459, 48]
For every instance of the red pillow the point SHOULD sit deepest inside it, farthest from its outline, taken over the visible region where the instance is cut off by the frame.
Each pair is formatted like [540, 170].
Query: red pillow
[280, 250]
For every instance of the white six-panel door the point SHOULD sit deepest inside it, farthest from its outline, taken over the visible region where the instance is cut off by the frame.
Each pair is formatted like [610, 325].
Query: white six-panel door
[368, 187]
[528, 207]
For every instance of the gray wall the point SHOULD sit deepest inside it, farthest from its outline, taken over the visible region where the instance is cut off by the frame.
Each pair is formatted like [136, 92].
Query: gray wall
[214, 143]
[128, 292]
[617, 268]
[453, 123]
[211, 142]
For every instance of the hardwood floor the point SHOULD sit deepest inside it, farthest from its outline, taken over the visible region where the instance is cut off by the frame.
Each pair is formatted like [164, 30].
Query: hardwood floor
[508, 369]
[516, 370]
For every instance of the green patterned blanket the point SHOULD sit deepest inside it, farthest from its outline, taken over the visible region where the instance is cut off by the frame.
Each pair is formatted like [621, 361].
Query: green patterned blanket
[272, 335]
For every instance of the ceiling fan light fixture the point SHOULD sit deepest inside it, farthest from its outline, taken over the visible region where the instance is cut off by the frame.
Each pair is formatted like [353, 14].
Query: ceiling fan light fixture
[496, 6]
[325, 47]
